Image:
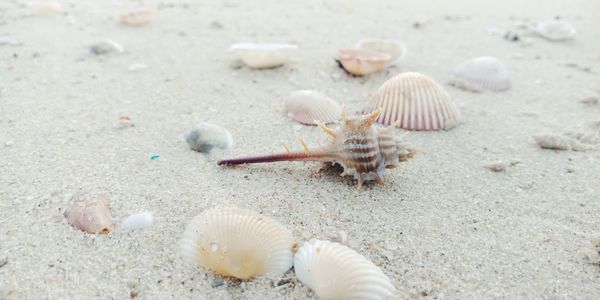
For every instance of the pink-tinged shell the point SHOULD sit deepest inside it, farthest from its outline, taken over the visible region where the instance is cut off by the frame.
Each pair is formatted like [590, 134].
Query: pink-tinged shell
[415, 102]
[482, 73]
[361, 61]
[91, 213]
[138, 18]
[307, 107]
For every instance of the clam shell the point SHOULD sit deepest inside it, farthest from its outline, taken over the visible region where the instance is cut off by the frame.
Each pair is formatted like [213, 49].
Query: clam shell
[307, 106]
[555, 30]
[91, 213]
[415, 101]
[482, 73]
[262, 56]
[238, 243]
[138, 18]
[207, 136]
[361, 62]
[396, 49]
[334, 271]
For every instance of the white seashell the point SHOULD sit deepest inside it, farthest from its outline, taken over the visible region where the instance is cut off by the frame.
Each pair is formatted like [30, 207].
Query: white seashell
[90, 213]
[207, 136]
[415, 102]
[238, 243]
[138, 18]
[4, 40]
[361, 62]
[137, 221]
[482, 73]
[307, 107]
[262, 56]
[555, 30]
[106, 47]
[395, 49]
[47, 8]
[334, 271]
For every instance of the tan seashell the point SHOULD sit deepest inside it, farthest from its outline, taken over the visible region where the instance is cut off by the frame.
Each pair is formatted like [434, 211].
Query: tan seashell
[361, 62]
[91, 213]
[415, 102]
[263, 55]
[395, 49]
[307, 107]
[334, 271]
[138, 18]
[238, 243]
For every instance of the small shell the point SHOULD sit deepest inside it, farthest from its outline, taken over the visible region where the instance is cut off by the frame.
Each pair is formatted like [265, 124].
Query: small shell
[106, 47]
[47, 8]
[137, 221]
[138, 18]
[482, 73]
[361, 62]
[91, 213]
[555, 30]
[238, 243]
[395, 49]
[334, 271]
[263, 56]
[206, 136]
[307, 107]
[415, 101]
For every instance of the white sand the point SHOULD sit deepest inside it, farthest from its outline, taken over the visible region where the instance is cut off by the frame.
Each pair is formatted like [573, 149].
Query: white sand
[441, 226]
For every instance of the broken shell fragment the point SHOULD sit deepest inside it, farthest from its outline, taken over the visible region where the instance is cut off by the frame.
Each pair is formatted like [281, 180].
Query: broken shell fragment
[106, 47]
[47, 8]
[555, 30]
[263, 55]
[91, 213]
[307, 106]
[137, 221]
[482, 73]
[207, 136]
[361, 62]
[138, 18]
[395, 49]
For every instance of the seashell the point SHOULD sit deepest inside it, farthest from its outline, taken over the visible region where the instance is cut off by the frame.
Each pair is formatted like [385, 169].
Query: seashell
[4, 40]
[138, 18]
[362, 149]
[106, 47]
[47, 8]
[395, 49]
[137, 221]
[482, 73]
[310, 107]
[414, 101]
[263, 56]
[555, 30]
[238, 243]
[90, 213]
[361, 62]
[207, 136]
[334, 271]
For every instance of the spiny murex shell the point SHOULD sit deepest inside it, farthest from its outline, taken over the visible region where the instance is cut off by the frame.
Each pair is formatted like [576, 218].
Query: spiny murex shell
[261, 56]
[207, 136]
[555, 30]
[414, 101]
[482, 73]
[90, 213]
[238, 243]
[361, 148]
[334, 271]
[361, 62]
[395, 49]
[310, 107]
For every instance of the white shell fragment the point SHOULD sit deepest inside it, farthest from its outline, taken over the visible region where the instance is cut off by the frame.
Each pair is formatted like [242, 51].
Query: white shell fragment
[395, 49]
[334, 271]
[414, 101]
[47, 8]
[137, 221]
[263, 56]
[207, 136]
[555, 30]
[307, 106]
[138, 18]
[361, 62]
[106, 47]
[238, 243]
[90, 213]
[482, 73]
[575, 141]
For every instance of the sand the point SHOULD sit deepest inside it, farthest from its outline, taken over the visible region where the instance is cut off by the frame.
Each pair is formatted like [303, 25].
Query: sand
[442, 226]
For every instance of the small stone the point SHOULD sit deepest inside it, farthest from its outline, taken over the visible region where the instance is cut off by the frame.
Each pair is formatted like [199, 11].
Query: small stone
[590, 100]
[217, 282]
[570, 169]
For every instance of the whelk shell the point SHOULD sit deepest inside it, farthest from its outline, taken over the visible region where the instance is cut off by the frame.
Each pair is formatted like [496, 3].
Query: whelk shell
[361, 62]
[555, 30]
[414, 101]
[310, 107]
[238, 243]
[90, 213]
[395, 49]
[138, 18]
[334, 271]
[263, 55]
[482, 73]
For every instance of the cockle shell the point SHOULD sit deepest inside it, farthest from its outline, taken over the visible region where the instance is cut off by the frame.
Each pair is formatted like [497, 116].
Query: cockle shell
[482, 73]
[238, 243]
[207, 136]
[414, 101]
[90, 213]
[307, 106]
[334, 271]
[138, 18]
[395, 49]
[555, 30]
[361, 62]
[262, 56]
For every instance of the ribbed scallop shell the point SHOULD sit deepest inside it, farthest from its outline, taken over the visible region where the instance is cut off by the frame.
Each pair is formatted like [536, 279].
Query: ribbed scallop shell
[482, 73]
[395, 49]
[238, 243]
[361, 61]
[555, 30]
[90, 213]
[416, 101]
[263, 55]
[307, 107]
[334, 271]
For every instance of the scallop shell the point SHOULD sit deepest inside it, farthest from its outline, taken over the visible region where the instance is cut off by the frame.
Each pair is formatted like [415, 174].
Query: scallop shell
[334, 271]
[207, 136]
[361, 62]
[415, 102]
[238, 243]
[395, 49]
[91, 213]
[138, 18]
[307, 107]
[482, 73]
[555, 30]
[262, 56]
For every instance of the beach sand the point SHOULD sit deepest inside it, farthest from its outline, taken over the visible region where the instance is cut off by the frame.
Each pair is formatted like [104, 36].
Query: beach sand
[442, 226]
